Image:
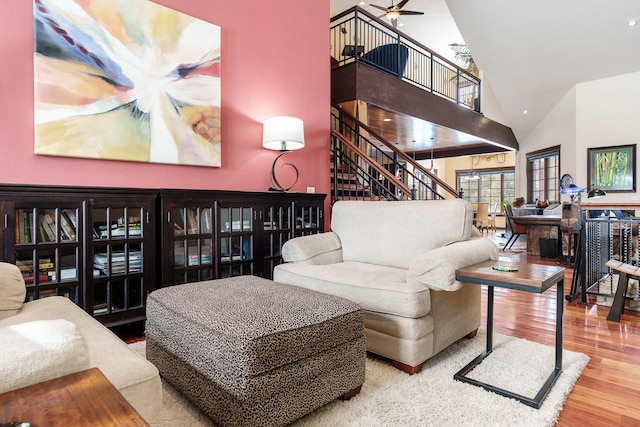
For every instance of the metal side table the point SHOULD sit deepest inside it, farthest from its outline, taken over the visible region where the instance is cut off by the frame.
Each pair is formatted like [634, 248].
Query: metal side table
[528, 278]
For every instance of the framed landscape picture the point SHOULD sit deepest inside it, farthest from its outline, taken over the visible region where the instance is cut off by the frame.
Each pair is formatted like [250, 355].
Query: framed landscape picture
[612, 169]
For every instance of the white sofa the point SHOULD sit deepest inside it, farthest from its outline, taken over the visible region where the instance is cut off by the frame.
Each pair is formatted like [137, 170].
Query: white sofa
[52, 337]
[397, 260]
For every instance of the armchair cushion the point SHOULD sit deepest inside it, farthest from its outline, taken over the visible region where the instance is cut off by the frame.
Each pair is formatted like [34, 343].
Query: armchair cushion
[12, 290]
[40, 351]
[436, 269]
[323, 248]
[374, 287]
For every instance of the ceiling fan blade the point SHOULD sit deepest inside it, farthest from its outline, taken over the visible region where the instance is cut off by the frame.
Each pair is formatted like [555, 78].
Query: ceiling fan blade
[401, 4]
[410, 12]
[378, 7]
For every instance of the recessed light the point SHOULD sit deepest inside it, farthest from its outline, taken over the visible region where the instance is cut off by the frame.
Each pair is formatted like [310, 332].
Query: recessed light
[525, 112]
[386, 120]
[632, 23]
[362, 3]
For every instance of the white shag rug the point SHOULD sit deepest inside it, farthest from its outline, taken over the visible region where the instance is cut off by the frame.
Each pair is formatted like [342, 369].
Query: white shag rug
[432, 397]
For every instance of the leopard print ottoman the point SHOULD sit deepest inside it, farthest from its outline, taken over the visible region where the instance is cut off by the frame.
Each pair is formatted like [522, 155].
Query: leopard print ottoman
[251, 352]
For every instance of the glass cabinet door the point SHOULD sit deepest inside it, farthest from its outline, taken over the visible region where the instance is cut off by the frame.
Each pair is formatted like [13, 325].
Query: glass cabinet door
[47, 249]
[236, 236]
[308, 219]
[191, 229]
[119, 251]
[277, 229]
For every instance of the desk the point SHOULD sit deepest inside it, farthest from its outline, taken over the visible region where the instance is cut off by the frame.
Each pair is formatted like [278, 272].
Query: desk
[529, 278]
[538, 228]
[85, 398]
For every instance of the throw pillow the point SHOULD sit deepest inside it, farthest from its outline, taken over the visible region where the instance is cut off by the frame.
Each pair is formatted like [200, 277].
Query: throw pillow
[39, 351]
[12, 290]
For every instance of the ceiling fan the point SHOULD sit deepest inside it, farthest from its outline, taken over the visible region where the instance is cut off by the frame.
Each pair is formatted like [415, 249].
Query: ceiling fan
[394, 11]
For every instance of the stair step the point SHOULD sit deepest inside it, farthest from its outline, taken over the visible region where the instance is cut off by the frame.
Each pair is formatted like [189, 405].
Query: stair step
[343, 176]
[352, 187]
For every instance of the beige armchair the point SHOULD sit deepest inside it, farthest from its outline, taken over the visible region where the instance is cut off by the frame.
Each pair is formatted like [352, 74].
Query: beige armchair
[397, 260]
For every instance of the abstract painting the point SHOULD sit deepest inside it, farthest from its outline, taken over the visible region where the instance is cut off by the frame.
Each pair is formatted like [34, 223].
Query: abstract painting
[126, 80]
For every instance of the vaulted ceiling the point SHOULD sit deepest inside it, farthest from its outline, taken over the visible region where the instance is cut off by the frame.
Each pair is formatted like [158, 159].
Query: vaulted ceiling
[530, 52]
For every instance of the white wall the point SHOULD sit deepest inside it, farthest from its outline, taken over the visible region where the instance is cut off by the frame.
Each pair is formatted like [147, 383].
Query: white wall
[490, 106]
[557, 128]
[608, 114]
[593, 114]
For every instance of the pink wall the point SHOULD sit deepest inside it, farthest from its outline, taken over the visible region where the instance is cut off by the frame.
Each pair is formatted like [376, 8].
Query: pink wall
[273, 63]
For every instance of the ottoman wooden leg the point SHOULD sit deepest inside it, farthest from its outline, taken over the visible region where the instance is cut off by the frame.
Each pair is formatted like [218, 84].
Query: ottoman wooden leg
[348, 395]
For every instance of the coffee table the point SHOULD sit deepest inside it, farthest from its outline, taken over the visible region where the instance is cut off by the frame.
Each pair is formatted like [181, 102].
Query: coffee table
[528, 278]
[84, 398]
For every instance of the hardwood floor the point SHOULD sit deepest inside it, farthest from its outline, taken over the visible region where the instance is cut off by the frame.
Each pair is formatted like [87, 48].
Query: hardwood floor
[608, 391]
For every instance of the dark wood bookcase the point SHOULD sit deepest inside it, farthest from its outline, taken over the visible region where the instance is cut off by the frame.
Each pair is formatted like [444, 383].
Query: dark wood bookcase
[217, 234]
[95, 246]
[107, 248]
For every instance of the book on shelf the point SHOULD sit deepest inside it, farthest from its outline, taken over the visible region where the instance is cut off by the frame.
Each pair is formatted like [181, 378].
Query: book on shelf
[68, 226]
[118, 230]
[206, 221]
[132, 220]
[205, 258]
[192, 222]
[48, 224]
[101, 262]
[30, 278]
[27, 265]
[24, 219]
[100, 308]
[68, 274]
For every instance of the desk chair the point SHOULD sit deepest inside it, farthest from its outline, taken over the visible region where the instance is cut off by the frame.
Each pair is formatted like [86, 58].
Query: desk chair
[492, 216]
[482, 217]
[516, 229]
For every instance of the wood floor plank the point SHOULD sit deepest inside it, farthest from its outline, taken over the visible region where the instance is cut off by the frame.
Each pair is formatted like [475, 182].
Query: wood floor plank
[608, 391]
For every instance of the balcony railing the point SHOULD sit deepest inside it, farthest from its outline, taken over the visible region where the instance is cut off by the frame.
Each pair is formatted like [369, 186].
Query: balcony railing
[357, 35]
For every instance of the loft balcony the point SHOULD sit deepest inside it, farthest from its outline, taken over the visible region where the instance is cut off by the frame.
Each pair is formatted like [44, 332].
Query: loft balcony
[435, 106]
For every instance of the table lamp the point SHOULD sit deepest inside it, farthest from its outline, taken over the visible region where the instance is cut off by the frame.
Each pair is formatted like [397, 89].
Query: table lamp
[282, 133]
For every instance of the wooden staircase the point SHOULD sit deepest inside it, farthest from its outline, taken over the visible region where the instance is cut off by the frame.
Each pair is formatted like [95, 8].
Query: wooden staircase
[347, 184]
[361, 170]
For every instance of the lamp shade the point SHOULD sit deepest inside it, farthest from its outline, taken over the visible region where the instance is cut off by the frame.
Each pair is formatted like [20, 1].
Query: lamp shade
[392, 15]
[595, 193]
[284, 133]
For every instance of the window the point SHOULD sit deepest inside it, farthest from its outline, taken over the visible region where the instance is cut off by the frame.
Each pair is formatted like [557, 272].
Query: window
[487, 186]
[543, 176]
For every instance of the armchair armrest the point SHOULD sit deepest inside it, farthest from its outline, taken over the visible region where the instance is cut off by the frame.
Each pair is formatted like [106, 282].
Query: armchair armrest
[323, 248]
[436, 269]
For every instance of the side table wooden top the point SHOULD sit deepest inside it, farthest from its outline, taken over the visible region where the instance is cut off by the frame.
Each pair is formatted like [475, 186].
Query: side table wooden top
[84, 398]
[529, 277]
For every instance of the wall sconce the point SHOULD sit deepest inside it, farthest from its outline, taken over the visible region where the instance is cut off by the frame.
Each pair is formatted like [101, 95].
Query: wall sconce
[282, 133]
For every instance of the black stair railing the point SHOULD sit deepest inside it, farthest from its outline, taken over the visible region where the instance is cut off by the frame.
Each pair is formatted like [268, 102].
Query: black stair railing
[356, 177]
[401, 169]
[357, 35]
